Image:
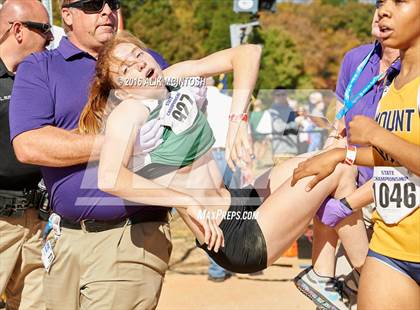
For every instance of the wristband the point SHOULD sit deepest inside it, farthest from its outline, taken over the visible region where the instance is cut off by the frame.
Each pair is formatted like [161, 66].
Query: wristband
[345, 203]
[350, 155]
[238, 117]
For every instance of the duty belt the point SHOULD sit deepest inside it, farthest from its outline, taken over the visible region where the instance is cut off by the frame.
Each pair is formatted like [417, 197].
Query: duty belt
[14, 203]
[98, 226]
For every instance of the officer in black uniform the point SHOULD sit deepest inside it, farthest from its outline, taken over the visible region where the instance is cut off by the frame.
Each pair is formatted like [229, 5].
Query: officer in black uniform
[24, 28]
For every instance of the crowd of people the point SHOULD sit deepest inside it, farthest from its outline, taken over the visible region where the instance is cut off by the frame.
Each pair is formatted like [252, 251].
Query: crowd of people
[117, 148]
[290, 128]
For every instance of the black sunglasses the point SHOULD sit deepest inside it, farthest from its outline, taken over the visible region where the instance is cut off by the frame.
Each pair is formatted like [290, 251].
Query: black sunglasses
[41, 27]
[93, 6]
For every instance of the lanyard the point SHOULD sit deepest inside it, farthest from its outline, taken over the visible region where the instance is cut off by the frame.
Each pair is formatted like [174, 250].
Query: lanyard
[350, 102]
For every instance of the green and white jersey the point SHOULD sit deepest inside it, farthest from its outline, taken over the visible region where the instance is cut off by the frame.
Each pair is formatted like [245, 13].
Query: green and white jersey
[187, 134]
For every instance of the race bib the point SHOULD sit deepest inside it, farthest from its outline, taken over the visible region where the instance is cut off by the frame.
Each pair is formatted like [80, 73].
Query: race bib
[179, 111]
[397, 193]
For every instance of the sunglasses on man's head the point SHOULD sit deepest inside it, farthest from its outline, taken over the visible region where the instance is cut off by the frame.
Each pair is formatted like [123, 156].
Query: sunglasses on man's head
[93, 6]
[43, 28]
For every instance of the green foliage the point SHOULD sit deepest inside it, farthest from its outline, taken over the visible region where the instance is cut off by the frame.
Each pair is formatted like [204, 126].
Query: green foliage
[281, 63]
[128, 7]
[161, 27]
[56, 12]
[303, 44]
[212, 19]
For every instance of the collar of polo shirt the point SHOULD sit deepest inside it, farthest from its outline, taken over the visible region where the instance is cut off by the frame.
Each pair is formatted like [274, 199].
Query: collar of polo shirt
[69, 50]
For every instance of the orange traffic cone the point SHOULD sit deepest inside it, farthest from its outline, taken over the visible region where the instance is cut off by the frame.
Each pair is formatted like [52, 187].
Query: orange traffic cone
[292, 251]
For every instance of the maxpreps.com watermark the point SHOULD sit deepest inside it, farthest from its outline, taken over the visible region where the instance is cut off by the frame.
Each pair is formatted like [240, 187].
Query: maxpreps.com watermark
[227, 215]
[161, 81]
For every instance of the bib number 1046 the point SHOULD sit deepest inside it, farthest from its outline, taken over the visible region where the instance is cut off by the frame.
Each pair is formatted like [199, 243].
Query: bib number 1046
[396, 194]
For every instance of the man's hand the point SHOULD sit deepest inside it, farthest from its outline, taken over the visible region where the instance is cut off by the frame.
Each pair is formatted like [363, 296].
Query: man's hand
[238, 145]
[320, 166]
[362, 129]
[150, 137]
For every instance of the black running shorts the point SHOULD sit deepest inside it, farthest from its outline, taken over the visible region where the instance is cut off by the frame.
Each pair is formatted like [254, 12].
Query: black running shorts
[245, 250]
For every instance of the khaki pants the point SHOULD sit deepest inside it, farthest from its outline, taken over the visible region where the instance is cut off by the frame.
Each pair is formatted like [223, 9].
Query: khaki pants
[21, 269]
[121, 268]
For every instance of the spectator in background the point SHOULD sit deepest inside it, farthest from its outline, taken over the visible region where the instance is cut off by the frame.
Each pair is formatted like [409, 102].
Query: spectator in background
[259, 140]
[284, 127]
[293, 103]
[218, 108]
[304, 125]
[316, 103]
[318, 109]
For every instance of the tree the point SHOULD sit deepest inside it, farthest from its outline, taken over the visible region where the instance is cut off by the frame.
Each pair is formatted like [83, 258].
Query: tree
[281, 63]
[159, 26]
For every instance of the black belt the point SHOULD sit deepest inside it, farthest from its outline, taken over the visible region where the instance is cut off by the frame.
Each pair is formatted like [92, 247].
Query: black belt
[98, 226]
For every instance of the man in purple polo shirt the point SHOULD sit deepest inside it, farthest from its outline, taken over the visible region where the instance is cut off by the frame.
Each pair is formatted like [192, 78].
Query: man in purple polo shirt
[318, 280]
[108, 254]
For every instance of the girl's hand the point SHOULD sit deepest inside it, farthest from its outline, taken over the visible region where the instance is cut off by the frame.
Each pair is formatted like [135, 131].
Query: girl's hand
[238, 145]
[362, 129]
[320, 166]
[207, 223]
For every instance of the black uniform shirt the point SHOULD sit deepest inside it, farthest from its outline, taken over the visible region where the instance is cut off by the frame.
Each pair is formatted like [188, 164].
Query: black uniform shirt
[13, 174]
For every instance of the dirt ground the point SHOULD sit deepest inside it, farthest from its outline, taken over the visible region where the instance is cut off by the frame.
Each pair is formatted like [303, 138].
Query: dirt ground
[186, 286]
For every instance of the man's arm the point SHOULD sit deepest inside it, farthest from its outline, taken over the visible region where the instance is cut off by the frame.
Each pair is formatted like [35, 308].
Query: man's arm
[56, 147]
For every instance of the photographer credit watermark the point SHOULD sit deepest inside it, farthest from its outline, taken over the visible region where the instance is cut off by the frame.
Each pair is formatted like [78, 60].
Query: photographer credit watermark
[161, 81]
[228, 215]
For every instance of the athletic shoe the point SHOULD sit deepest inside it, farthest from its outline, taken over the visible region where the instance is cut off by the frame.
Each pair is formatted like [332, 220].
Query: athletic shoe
[219, 279]
[350, 288]
[327, 293]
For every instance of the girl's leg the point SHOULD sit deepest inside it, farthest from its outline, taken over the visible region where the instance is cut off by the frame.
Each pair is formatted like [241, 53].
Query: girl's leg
[353, 235]
[382, 287]
[286, 213]
[349, 230]
[325, 238]
[323, 249]
[269, 181]
[354, 226]
[352, 230]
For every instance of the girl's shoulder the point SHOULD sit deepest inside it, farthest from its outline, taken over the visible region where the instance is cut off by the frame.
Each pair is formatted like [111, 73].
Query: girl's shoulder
[130, 111]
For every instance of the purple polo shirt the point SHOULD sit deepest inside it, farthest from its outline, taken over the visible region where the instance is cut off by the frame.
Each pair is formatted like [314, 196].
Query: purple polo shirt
[368, 103]
[51, 88]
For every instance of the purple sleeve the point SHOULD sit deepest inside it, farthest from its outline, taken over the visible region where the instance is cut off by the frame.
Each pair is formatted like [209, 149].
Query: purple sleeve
[31, 104]
[343, 78]
[159, 59]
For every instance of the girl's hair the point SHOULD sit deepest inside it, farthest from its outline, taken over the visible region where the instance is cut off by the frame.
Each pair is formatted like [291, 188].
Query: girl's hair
[101, 98]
